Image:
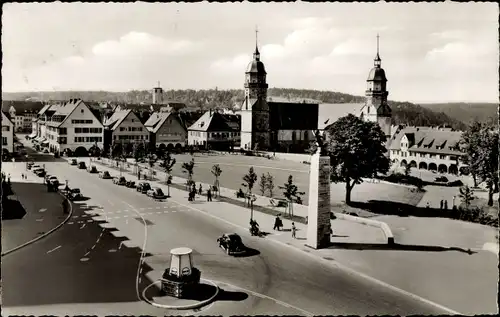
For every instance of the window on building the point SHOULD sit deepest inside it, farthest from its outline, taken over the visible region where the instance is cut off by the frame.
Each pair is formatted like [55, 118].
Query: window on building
[63, 131]
[4, 140]
[5, 128]
[442, 157]
[432, 155]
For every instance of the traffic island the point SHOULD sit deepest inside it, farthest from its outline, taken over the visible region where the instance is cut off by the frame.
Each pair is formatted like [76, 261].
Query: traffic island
[181, 285]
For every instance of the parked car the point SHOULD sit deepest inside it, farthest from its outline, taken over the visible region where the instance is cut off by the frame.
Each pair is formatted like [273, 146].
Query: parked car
[122, 181]
[47, 176]
[53, 180]
[73, 162]
[92, 170]
[156, 193]
[441, 179]
[75, 194]
[30, 164]
[35, 167]
[232, 244]
[104, 175]
[82, 165]
[130, 184]
[40, 172]
[143, 187]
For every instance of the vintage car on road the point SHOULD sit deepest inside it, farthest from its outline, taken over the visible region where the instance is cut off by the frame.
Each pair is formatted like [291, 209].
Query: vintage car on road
[30, 164]
[74, 194]
[40, 172]
[82, 166]
[156, 193]
[53, 180]
[92, 170]
[73, 162]
[143, 187]
[130, 184]
[232, 244]
[104, 175]
[119, 181]
[35, 167]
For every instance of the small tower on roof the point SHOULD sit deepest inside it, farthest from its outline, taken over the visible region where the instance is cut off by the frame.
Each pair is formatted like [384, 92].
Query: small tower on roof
[376, 108]
[157, 95]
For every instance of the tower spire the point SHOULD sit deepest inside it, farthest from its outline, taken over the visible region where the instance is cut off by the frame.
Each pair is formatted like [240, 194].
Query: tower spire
[158, 84]
[256, 55]
[377, 60]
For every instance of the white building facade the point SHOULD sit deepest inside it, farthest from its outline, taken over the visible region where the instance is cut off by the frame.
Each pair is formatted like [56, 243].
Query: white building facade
[7, 134]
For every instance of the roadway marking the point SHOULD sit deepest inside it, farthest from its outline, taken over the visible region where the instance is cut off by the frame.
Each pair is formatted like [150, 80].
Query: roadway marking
[334, 264]
[42, 210]
[53, 249]
[39, 219]
[141, 259]
[83, 225]
[267, 297]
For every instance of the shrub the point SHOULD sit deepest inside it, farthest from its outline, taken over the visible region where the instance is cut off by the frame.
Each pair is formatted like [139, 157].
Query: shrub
[441, 179]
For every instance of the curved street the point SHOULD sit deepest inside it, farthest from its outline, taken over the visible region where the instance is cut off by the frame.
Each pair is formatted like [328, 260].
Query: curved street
[83, 268]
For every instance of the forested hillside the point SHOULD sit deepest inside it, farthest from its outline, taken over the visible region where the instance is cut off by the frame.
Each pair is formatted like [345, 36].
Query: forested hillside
[467, 112]
[403, 112]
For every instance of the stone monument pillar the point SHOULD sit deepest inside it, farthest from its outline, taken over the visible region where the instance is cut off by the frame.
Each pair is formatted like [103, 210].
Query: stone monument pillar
[318, 226]
[181, 276]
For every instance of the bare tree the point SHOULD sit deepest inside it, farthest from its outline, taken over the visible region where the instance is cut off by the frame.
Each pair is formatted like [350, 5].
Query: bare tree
[216, 171]
[188, 167]
[291, 193]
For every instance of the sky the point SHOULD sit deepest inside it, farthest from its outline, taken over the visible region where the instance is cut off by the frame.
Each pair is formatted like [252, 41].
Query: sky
[431, 52]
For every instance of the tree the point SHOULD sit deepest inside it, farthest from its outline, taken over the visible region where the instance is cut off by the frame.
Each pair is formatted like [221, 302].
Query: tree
[407, 169]
[216, 171]
[486, 162]
[249, 181]
[270, 184]
[263, 184]
[470, 142]
[466, 195]
[291, 193]
[167, 164]
[138, 152]
[357, 149]
[188, 167]
[151, 159]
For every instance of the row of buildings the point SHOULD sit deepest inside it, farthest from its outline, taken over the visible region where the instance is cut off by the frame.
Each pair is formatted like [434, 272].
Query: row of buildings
[261, 122]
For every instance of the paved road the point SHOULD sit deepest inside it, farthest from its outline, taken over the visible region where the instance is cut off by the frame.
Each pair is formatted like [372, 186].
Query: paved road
[43, 212]
[106, 280]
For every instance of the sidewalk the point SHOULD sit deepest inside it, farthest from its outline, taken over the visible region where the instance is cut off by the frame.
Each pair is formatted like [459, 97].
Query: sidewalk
[344, 230]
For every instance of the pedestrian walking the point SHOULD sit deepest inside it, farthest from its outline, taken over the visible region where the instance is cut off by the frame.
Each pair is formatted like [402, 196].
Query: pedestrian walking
[446, 205]
[441, 204]
[427, 205]
[209, 194]
[200, 190]
[277, 223]
[294, 230]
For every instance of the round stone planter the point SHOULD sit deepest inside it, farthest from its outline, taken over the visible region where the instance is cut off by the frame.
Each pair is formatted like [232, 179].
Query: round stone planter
[175, 286]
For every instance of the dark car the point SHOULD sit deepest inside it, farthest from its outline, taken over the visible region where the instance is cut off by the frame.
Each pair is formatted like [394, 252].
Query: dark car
[82, 165]
[104, 175]
[130, 184]
[92, 170]
[143, 187]
[232, 244]
[73, 162]
[121, 181]
[40, 172]
[156, 193]
[74, 194]
[30, 164]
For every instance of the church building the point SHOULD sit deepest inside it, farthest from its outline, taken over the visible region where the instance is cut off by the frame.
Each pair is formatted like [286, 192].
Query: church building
[275, 124]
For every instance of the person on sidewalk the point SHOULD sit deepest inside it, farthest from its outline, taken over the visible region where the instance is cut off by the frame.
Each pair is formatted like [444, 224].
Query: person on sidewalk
[441, 204]
[209, 194]
[200, 190]
[445, 205]
[294, 230]
[277, 223]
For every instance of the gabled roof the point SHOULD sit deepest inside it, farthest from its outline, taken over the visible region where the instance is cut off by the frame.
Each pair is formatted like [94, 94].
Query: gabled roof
[429, 140]
[329, 113]
[157, 119]
[293, 116]
[6, 116]
[116, 119]
[22, 106]
[214, 121]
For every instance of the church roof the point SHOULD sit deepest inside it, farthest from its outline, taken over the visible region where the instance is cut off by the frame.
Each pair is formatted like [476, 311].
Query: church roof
[256, 66]
[215, 121]
[377, 74]
[328, 113]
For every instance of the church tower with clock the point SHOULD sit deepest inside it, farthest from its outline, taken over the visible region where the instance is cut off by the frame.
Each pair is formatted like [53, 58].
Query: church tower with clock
[255, 132]
[376, 108]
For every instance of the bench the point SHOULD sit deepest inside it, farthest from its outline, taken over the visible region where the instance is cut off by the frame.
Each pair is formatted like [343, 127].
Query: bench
[279, 203]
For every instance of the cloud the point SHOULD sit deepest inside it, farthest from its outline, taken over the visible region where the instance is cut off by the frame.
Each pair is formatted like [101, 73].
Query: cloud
[140, 44]
[352, 47]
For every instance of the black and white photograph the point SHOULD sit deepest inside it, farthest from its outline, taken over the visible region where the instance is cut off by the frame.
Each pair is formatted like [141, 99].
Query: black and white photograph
[250, 158]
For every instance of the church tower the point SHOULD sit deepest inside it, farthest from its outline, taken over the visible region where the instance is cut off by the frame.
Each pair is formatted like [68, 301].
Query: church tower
[157, 95]
[255, 133]
[376, 108]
